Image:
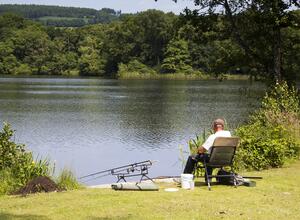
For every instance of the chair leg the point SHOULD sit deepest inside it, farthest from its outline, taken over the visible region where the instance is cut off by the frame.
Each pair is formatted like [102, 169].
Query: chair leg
[207, 177]
[195, 169]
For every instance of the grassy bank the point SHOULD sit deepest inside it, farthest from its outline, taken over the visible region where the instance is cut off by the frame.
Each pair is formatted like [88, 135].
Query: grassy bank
[277, 196]
[180, 76]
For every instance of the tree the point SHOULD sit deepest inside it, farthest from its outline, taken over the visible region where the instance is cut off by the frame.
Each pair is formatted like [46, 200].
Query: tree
[8, 62]
[32, 46]
[291, 57]
[177, 57]
[61, 61]
[210, 47]
[154, 30]
[273, 16]
[143, 36]
[9, 23]
[90, 61]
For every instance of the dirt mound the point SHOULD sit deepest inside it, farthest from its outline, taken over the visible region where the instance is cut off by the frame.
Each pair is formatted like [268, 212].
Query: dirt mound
[38, 184]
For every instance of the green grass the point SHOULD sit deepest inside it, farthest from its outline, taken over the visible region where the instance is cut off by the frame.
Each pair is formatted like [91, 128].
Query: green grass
[276, 196]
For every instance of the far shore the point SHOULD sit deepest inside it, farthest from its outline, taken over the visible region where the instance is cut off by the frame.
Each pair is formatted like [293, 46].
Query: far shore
[141, 77]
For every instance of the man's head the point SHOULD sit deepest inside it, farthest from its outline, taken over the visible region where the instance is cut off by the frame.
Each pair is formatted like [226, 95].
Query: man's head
[218, 124]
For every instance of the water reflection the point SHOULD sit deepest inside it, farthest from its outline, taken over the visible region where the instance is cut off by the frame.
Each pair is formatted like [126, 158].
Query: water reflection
[92, 124]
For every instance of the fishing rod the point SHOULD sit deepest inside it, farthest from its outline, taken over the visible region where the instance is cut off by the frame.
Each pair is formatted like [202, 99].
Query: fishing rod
[253, 177]
[122, 172]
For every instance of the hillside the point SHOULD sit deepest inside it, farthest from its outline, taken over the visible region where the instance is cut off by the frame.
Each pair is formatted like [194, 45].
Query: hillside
[62, 16]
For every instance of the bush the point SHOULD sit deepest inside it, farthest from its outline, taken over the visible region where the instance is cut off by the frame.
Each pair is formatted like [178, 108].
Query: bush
[197, 142]
[67, 180]
[135, 69]
[7, 182]
[23, 69]
[272, 134]
[16, 163]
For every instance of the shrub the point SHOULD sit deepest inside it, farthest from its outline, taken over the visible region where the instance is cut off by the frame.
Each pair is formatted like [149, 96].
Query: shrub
[272, 134]
[197, 142]
[23, 69]
[7, 182]
[134, 68]
[17, 163]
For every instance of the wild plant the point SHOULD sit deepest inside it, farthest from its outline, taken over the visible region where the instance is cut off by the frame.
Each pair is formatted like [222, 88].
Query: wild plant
[67, 180]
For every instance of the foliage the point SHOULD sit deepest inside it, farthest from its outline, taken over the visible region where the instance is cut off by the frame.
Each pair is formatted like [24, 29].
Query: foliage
[16, 162]
[32, 47]
[272, 134]
[135, 68]
[67, 180]
[143, 36]
[177, 57]
[7, 182]
[62, 22]
[257, 27]
[211, 49]
[194, 144]
[90, 61]
[192, 46]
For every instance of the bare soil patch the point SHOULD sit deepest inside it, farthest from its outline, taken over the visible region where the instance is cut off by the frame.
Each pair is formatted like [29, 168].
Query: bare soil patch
[37, 185]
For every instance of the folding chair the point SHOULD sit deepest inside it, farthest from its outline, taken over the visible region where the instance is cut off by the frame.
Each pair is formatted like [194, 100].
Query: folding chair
[222, 154]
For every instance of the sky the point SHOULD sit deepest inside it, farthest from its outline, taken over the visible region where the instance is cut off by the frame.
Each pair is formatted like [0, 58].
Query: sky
[126, 6]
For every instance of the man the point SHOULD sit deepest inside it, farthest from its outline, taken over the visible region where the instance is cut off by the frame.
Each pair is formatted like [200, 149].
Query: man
[205, 149]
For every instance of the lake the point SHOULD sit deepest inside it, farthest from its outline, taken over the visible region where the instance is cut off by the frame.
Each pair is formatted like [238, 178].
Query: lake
[90, 124]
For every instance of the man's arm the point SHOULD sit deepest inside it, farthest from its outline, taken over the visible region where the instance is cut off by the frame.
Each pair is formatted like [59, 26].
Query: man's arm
[201, 150]
[207, 144]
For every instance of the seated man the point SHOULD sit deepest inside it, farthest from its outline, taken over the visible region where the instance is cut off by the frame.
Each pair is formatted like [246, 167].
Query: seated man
[204, 150]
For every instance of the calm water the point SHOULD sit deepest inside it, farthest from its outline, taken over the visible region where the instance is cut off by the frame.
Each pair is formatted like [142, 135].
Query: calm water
[90, 125]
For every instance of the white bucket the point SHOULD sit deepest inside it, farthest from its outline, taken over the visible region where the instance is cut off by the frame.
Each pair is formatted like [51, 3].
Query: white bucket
[187, 181]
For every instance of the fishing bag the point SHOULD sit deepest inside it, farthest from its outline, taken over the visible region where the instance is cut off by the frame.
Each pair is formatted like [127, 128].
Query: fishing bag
[229, 180]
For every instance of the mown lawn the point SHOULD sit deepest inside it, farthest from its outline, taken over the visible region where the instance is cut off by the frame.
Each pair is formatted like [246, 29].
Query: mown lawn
[276, 196]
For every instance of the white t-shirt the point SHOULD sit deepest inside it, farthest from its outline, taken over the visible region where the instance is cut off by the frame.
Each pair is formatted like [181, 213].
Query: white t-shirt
[210, 140]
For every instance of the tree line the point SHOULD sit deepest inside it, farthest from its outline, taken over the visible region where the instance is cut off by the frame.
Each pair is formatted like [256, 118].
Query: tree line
[267, 20]
[150, 41]
[62, 16]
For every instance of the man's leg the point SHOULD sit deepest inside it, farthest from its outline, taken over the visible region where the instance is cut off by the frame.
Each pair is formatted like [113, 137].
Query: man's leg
[209, 170]
[190, 164]
[192, 160]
